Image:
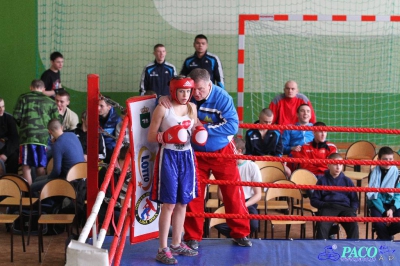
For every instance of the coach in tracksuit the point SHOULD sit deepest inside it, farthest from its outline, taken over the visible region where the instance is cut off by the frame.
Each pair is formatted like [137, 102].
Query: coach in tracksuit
[205, 60]
[156, 75]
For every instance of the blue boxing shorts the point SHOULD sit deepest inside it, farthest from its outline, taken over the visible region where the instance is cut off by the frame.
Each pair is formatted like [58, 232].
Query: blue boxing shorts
[33, 155]
[174, 179]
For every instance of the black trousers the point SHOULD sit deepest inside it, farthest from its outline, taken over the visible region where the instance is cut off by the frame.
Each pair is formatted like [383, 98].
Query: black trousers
[324, 227]
[383, 230]
[226, 231]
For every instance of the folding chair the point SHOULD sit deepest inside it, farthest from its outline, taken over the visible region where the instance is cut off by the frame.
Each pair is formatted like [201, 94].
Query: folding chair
[55, 188]
[11, 190]
[27, 200]
[304, 177]
[291, 194]
[271, 174]
[77, 171]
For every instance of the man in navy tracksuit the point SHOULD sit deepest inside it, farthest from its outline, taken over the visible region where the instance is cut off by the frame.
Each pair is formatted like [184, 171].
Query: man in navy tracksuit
[156, 75]
[263, 141]
[205, 60]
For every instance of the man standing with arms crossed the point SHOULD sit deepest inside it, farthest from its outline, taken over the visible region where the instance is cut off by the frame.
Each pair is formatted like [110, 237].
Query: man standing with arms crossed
[219, 117]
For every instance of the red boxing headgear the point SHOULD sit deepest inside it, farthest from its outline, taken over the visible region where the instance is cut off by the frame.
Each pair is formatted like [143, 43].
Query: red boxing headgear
[180, 82]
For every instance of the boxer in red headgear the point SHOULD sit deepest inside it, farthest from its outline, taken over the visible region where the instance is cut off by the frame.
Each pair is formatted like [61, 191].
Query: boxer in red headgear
[174, 181]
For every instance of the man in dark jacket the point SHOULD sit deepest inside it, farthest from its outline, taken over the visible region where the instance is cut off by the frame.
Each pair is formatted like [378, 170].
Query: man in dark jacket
[108, 119]
[9, 141]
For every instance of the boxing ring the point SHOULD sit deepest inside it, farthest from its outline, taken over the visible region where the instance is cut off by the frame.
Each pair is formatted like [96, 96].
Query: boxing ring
[223, 251]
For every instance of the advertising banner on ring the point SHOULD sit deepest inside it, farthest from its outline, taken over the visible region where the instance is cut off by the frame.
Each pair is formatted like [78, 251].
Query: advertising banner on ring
[144, 212]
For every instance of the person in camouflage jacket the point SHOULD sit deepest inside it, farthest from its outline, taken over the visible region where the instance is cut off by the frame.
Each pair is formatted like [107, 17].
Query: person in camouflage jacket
[32, 113]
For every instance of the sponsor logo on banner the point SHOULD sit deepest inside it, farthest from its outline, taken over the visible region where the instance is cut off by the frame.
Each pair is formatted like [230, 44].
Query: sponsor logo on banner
[145, 117]
[363, 253]
[146, 211]
[145, 165]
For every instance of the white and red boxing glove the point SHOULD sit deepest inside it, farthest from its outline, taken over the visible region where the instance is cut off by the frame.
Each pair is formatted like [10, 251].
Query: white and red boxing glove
[199, 136]
[174, 135]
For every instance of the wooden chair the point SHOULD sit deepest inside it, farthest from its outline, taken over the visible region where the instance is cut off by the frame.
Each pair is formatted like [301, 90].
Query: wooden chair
[55, 188]
[9, 188]
[49, 166]
[216, 221]
[27, 200]
[77, 171]
[304, 177]
[211, 196]
[291, 194]
[271, 174]
[211, 202]
[262, 164]
[360, 150]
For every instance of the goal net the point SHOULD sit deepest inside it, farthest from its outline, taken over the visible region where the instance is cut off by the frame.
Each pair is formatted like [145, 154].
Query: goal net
[348, 66]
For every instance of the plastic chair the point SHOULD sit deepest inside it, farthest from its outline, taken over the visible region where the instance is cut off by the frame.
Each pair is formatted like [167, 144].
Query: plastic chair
[304, 177]
[27, 200]
[9, 189]
[55, 188]
[291, 194]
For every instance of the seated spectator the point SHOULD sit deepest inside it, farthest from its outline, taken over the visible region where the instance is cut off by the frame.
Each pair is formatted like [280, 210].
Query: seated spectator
[81, 133]
[108, 119]
[249, 172]
[68, 117]
[292, 140]
[284, 106]
[319, 148]
[9, 141]
[384, 204]
[263, 141]
[335, 203]
[67, 151]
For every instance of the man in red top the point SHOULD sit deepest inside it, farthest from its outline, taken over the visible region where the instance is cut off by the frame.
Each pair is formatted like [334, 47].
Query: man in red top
[319, 148]
[284, 106]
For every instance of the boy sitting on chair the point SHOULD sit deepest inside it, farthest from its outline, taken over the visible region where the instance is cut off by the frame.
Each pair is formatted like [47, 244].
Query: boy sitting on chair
[335, 203]
[384, 204]
[249, 172]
